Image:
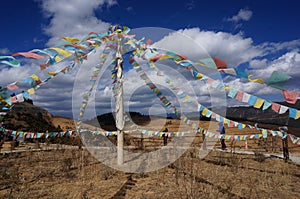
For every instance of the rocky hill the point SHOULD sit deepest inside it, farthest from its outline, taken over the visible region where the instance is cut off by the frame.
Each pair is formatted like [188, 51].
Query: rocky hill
[28, 117]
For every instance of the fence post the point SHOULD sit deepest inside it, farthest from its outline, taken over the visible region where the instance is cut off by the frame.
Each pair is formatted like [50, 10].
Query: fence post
[142, 141]
[285, 146]
[203, 141]
[285, 149]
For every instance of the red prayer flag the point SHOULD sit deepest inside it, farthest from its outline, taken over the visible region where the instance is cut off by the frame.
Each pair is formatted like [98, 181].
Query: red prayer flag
[29, 55]
[275, 107]
[14, 99]
[221, 64]
[43, 66]
[12, 86]
[155, 58]
[239, 96]
[149, 41]
[291, 96]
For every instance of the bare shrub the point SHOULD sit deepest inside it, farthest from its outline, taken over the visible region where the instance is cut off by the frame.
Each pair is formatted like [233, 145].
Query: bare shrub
[259, 156]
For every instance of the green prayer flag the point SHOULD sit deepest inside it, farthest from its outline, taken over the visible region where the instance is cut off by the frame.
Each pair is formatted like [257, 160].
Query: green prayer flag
[209, 62]
[278, 80]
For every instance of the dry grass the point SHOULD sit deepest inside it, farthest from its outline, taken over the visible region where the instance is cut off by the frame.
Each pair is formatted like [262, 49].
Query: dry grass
[70, 172]
[74, 173]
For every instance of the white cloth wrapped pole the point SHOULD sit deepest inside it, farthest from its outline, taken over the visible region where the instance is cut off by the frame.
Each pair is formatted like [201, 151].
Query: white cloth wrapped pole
[119, 103]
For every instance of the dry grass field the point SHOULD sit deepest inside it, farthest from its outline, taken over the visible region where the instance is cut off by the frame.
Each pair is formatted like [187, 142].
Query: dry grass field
[72, 172]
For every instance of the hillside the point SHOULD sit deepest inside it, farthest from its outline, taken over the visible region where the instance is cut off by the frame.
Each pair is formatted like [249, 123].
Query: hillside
[265, 117]
[28, 117]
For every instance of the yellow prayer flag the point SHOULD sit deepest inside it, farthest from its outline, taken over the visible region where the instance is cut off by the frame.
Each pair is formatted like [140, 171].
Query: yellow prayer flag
[152, 65]
[297, 115]
[129, 42]
[34, 77]
[62, 52]
[204, 111]
[259, 102]
[225, 121]
[225, 88]
[30, 91]
[163, 57]
[136, 66]
[258, 80]
[186, 98]
[71, 39]
[58, 58]
[198, 76]
[52, 73]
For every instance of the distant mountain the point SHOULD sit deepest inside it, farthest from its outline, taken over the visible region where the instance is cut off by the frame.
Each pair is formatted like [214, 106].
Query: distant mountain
[264, 116]
[28, 117]
[107, 120]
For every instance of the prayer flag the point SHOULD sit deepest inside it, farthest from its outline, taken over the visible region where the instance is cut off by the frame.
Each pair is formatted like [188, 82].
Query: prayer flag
[259, 102]
[290, 96]
[278, 80]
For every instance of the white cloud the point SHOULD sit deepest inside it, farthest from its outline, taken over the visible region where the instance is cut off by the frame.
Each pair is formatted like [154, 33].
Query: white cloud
[288, 63]
[73, 18]
[233, 48]
[259, 63]
[243, 15]
[4, 51]
[272, 47]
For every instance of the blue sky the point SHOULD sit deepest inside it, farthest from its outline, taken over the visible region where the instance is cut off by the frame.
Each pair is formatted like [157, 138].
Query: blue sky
[261, 34]
[23, 22]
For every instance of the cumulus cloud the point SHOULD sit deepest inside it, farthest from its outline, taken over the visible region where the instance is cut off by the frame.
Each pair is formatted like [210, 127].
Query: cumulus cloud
[235, 49]
[243, 15]
[74, 18]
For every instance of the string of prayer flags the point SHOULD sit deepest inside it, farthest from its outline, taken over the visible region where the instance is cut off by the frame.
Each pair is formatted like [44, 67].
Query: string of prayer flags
[264, 134]
[95, 73]
[253, 100]
[237, 94]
